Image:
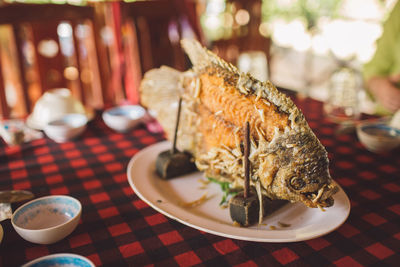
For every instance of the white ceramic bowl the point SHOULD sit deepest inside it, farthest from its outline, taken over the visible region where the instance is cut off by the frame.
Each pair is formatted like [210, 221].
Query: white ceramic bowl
[52, 105]
[47, 220]
[124, 118]
[66, 127]
[395, 121]
[61, 259]
[1, 233]
[378, 137]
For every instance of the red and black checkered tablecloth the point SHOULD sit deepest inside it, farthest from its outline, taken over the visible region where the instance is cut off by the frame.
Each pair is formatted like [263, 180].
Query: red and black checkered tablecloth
[119, 229]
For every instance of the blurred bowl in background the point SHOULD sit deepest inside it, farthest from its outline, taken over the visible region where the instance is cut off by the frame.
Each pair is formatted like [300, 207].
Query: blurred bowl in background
[47, 220]
[124, 118]
[66, 127]
[395, 121]
[52, 105]
[1, 233]
[378, 137]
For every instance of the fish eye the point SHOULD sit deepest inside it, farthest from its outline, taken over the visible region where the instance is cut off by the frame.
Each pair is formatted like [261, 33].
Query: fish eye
[297, 183]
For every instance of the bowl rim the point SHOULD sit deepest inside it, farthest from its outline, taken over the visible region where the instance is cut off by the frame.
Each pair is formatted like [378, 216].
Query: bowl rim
[48, 228]
[57, 255]
[83, 118]
[63, 91]
[379, 125]
[141, 109]
[1, 233]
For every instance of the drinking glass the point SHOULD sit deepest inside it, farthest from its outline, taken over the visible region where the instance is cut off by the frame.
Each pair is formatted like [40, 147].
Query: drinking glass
[343, 104]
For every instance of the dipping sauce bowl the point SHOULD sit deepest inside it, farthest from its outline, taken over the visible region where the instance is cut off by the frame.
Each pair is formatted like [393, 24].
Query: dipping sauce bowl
[47, 220]
[124, 118]
[66, 128]
[378, 137]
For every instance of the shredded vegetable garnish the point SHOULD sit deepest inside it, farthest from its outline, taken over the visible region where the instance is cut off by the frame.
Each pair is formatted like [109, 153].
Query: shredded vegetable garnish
[320, 192]
[260, 200]
[203, 183]
[258, 95]
[266, 102]
[197, 88]
[281, 224]
[235, 223]
[320, 207]
[195, 203]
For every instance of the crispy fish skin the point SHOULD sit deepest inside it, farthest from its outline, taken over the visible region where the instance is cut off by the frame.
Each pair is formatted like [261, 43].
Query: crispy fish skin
[223, 98]
[288, 160]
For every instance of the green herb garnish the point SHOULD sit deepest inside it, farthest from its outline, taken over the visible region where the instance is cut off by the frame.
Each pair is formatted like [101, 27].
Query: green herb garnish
[226, 188]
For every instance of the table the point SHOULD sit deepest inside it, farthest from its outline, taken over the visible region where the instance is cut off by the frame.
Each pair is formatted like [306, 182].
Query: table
[119, 229]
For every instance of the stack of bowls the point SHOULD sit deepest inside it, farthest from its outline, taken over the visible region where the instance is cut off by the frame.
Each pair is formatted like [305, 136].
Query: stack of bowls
[52, 105]
[60, 115]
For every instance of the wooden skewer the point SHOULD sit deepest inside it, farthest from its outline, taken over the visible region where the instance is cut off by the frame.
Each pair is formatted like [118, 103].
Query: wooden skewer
[176, 126]
[246, 161]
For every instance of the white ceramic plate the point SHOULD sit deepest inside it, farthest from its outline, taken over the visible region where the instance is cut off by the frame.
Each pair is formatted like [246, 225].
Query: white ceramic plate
[167, 196]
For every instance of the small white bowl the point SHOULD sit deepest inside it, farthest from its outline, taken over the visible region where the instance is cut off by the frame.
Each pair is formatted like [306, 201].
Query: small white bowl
[52, 105]
[66, 128]
[124, 118]
[1, 233]
[378, 137]
[395, 121]
[60, 259]
[47, 220]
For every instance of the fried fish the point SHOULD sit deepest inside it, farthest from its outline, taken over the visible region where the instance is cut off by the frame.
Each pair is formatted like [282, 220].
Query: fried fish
[288, 160]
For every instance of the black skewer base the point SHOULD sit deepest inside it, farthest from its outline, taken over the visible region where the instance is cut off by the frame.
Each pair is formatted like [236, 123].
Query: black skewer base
[270, 206]
[243, 210]
[170, 165]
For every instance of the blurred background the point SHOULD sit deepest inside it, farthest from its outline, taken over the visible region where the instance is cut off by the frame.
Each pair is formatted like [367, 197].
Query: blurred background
[101, 49]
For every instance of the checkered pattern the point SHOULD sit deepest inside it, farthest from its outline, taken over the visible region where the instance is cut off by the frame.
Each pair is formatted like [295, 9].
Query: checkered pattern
[119, 229]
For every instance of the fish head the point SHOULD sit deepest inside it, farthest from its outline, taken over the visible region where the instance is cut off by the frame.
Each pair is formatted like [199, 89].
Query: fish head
[303, 174]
